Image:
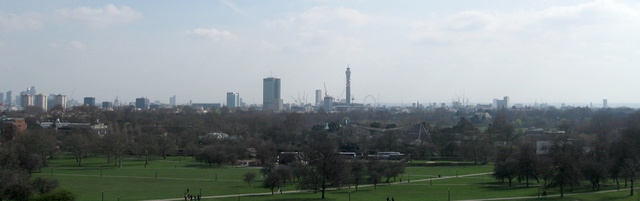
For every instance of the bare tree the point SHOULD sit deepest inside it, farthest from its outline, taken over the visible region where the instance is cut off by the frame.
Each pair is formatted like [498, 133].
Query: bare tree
[527, 162]
[248, 177]
[375, 170]
[506, 165]
[272, 181]
[40, 142]
[115, 143]
[299, 170]
[145, 144]
[566, 156]
[326, 165]
[80, 144]
[358, 171]
[284, 172]
[501, 127]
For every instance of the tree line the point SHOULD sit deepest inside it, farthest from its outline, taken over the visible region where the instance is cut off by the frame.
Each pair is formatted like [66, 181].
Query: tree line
[599, 149]
[464, 134]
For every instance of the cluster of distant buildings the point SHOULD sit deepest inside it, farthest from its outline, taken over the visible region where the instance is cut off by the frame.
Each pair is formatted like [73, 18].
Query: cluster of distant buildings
[271, 100]
[29, 97]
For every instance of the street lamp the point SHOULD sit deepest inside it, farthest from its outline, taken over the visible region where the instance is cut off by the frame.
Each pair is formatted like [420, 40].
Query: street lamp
[103, 194]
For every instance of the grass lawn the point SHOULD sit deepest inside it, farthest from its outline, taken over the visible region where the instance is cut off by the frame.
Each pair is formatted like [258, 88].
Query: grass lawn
[135, 181]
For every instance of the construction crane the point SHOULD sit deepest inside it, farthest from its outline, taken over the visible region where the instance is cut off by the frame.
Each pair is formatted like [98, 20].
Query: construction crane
[325, 89]
[340, 96]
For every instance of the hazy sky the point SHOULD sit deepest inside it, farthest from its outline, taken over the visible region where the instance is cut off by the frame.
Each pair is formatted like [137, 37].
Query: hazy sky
[399, 51]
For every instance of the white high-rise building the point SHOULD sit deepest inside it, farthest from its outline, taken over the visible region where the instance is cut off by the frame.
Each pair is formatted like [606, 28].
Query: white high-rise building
[233, 99]
[26, 100]
[41, 101]
[318, 97]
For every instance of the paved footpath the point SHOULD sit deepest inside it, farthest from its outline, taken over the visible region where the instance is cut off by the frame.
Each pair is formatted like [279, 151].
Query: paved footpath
[536, 197]
[298, 191]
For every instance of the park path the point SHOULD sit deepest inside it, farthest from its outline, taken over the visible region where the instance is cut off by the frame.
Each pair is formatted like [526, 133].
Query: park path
[298, 191]
[536, 197]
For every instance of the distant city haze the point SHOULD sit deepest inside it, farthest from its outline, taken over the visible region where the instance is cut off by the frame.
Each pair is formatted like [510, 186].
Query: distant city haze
[572, 52]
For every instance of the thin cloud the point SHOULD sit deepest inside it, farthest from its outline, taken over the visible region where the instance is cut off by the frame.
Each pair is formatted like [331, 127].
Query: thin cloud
[212, 34]
[322, 15]
[103, 17]
[573, 20]
[78, 45]
[107, 16]
[235, 8]
[16, 22]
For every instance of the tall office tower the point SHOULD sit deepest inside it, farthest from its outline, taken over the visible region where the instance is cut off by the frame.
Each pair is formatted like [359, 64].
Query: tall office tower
[31, 90]
[506, 102]
[107, 105]
[8, 100]
[172, 101]
[26, 100]
[90, 101]
[318, 97]
[18, 98]
[348, 73]
[233, 99]
[51, 100]
[271, 94]
[41, 102]
[604, 103]
[142, 103]
[328, 103]
[2, 98]
[61, 100]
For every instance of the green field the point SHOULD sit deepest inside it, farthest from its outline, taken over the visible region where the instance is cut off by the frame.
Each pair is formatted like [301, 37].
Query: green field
[169, 178]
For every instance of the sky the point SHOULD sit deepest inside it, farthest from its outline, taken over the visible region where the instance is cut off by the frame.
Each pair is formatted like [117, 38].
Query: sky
[403, 51]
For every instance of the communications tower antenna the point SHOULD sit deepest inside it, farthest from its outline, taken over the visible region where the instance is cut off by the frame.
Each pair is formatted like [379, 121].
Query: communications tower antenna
[348, 73]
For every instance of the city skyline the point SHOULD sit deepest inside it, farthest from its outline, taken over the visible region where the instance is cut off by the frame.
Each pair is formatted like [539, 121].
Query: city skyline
[311, 101]
[573, 52]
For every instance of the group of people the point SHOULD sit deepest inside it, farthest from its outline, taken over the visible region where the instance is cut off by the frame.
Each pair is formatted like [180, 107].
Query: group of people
[391, 199]
[188, 196]
[191, 197]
